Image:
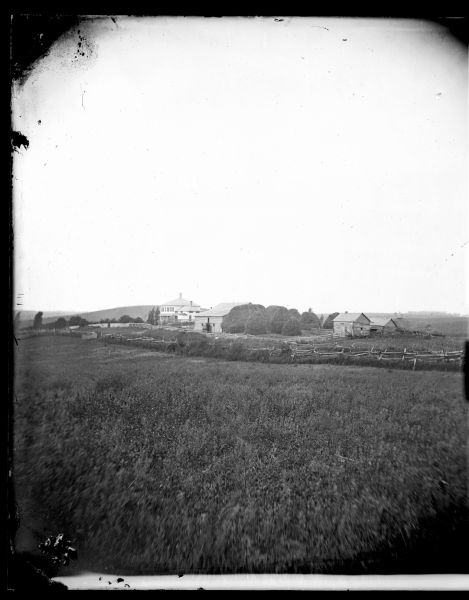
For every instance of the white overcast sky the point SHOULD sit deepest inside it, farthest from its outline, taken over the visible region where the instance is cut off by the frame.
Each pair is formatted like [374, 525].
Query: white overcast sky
[307, 162]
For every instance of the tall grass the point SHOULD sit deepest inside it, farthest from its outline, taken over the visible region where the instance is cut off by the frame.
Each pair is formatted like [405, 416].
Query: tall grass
[172, 465]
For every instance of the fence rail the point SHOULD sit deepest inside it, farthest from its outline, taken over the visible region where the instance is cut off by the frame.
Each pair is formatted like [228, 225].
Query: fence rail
[296, 351]
[291, 349]
[394, 355]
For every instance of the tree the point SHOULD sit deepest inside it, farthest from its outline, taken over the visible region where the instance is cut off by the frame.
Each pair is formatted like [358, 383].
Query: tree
[156, 319]
[292, 327]
[328, 322]
[125, 319]
[321, 321]
[38, 320]
[309, 320]
[61, 323]
[151, 317]
[138, 320]
[77, 320]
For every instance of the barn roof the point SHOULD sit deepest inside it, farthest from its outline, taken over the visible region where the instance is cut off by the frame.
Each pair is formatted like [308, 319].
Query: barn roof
[220, 310]
[348, 317]
[382, 321]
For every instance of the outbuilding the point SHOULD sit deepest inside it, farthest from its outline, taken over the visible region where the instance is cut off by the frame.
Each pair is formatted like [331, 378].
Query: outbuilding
[210, 321]
[353, 324]
[383, 325]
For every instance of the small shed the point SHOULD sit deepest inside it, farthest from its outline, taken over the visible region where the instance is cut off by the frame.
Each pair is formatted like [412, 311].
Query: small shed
[353, 324]
[383, 325]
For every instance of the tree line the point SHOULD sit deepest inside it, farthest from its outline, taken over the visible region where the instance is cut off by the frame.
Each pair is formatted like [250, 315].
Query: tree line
[77, 321]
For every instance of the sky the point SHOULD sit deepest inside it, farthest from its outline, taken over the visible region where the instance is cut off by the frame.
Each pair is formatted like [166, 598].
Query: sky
[307, 162]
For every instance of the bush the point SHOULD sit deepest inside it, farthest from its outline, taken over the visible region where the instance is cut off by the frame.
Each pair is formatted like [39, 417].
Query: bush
[237, 351]
[186, 338]
[292, 327]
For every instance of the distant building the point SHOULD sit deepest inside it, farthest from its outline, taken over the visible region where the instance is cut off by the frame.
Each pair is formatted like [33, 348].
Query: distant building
[210, 321]
[178, 310]
[353, 324]
[383, 325]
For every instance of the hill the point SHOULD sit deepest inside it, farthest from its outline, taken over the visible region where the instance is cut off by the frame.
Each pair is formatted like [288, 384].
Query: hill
[114, 313]
[27, 316]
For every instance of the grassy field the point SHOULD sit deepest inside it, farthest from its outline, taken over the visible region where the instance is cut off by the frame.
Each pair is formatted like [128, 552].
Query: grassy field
[446, 325]
[158, 463]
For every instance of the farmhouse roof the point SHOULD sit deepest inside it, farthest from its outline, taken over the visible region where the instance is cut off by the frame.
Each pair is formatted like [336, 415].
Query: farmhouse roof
[220, 310]
[382, 321]
[348, 317]
[179, 302]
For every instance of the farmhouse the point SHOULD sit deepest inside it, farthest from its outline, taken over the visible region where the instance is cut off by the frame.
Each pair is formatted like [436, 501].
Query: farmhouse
[383, 325]
[178, 310]
[354, 324]
[210, 321]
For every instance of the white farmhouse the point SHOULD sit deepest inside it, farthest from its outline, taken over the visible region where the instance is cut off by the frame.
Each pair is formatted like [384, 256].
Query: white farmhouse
[178, 310]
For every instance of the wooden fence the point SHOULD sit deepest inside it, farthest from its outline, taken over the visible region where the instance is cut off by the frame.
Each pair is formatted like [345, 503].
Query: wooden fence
[304, 351]
[294, 351]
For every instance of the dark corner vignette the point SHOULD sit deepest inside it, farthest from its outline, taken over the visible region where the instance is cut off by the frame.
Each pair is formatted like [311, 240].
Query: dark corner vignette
[31, 36]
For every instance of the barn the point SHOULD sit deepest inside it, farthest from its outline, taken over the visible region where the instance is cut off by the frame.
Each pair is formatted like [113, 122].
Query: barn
[383, 325]
[209, 321]
[353, 324]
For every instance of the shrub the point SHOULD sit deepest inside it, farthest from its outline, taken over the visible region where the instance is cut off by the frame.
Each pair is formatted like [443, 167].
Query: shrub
[237, 351]
[292, 327]
[189, 338]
